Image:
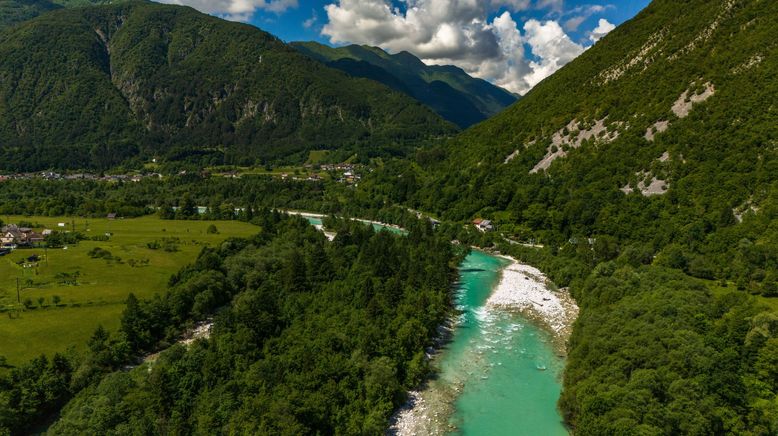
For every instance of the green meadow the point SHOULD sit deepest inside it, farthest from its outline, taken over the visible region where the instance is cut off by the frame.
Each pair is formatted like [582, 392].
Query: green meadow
[70, 291]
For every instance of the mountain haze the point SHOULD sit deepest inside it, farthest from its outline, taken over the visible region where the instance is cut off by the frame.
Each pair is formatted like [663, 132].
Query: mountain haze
[92, 87]
[448, 90]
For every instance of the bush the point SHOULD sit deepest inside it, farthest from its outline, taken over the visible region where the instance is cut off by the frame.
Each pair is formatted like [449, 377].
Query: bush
[100, 253]
[167, 244]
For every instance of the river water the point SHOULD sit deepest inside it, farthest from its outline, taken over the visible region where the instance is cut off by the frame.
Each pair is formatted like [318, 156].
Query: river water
[504, 367]
[498, 375]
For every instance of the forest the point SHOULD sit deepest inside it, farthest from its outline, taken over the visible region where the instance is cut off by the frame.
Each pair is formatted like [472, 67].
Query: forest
[308, 337]
[130, 96]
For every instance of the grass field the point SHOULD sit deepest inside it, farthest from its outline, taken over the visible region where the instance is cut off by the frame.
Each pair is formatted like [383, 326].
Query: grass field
[102, 283]
[717, 289]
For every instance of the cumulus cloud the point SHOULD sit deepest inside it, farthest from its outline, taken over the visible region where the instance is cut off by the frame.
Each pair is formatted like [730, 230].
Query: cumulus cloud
[551, 45]
[602, 29]
[458, 32]
[236, 10]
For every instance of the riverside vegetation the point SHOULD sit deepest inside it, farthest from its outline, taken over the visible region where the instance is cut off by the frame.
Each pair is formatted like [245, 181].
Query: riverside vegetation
[340, 328]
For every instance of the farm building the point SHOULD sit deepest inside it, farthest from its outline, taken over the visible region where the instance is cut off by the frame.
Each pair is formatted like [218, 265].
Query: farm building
[483, 225]
[13, 235]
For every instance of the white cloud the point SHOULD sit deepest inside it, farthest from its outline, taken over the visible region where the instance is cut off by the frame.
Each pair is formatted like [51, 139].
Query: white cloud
[554, 5]
[236, 10]
[458, 32]
[311, 21]
[514, 5]
[602, 29]
[552, 46]
[579, 14]
[572, 24]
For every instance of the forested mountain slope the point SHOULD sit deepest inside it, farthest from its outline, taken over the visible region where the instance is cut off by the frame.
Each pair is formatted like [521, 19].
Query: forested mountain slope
[94, 86]
[448, 90]
[17, 11]
[664, 131]
[648, 167]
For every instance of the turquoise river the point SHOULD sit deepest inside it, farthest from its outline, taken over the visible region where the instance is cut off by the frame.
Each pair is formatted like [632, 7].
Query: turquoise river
[498, 374]
[505, 370]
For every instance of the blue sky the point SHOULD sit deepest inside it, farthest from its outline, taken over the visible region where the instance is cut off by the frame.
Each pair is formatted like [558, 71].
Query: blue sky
[512, 43]
[290, 25]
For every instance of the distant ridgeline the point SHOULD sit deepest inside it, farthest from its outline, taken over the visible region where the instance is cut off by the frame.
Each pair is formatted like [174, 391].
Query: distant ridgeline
[92, 87]
[448, 90]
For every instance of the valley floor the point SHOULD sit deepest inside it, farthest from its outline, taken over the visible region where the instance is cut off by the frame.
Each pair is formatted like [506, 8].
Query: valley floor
[102, 284]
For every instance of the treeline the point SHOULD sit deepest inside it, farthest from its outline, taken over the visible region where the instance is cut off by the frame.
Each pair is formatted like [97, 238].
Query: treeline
[308, 337]
[179, 196]
[221, 196]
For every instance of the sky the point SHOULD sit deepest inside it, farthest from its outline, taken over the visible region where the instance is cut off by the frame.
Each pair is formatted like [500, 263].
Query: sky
[511, 43]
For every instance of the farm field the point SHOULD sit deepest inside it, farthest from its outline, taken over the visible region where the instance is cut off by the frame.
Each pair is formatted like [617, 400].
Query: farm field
[70, 291]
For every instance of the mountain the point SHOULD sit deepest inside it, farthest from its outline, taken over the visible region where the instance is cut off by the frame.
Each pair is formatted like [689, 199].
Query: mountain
[648, 168]
[95, 86]
[448, 90]
[17, 11]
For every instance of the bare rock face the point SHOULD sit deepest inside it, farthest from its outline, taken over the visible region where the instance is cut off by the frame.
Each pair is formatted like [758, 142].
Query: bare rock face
[644, 57]
[658, 127]
[683, 105]
[648, 187]
[573, 135]
[511, 156]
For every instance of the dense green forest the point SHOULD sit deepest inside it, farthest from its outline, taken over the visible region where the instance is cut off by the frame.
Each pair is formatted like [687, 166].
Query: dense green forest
[448, 90]
[17, 11]
[95, 87]
[308, 337]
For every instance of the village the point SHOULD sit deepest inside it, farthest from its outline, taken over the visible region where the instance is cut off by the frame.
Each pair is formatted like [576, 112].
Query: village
[346, 173]
[12, 236]
[48, 175]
